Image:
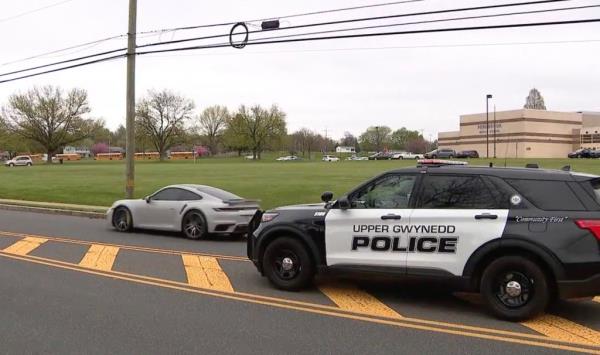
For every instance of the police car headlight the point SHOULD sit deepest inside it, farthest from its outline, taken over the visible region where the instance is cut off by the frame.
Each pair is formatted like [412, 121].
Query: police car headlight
[268, 217]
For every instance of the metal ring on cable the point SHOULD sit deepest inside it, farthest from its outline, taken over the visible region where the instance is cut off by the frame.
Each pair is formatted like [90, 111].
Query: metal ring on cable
[242, 44]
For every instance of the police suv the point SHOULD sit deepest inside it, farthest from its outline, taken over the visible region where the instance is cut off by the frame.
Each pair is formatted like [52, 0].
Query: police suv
[519, 236]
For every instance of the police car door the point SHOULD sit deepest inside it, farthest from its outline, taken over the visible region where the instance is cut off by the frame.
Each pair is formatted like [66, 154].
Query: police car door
[370, 232]
[453, 216]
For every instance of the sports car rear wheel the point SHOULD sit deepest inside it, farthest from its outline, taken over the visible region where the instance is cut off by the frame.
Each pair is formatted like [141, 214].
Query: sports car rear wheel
[194, 225]
[122, 220]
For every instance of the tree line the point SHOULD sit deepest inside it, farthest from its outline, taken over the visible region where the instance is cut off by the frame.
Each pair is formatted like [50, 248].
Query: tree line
[46, 119]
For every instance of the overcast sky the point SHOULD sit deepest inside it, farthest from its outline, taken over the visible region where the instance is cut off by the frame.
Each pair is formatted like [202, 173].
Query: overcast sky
[422, 82]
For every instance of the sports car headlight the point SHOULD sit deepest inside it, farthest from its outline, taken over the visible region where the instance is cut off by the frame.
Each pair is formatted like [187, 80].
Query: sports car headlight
[268, 217]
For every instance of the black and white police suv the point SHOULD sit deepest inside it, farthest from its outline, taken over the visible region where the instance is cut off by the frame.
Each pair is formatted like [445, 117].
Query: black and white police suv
[519, 236]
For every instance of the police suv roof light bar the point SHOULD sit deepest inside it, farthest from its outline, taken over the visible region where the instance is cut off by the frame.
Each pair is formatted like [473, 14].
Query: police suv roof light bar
[438, 162]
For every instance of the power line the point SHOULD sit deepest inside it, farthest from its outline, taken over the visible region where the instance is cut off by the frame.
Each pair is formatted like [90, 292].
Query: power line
[33, 11]
[378, 34]
[282, 17]
[362, 19]
[64, 61]
[432, 21]
[64, 68]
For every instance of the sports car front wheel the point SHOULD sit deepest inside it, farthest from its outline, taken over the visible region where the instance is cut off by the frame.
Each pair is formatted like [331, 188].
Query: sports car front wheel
[194, 225]
[122, 220]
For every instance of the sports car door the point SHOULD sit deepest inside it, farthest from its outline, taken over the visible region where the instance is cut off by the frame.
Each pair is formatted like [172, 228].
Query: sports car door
[371, 231]
[453, 216]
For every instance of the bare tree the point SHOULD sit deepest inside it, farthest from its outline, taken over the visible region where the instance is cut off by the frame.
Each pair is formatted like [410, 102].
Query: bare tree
[305, 141]
[50, 117]
[161, 117]
[259, 127]
[211, 124]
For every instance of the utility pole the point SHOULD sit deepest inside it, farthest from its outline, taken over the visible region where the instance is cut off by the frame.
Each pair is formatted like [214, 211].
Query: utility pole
[494, 131]
[130, 97]
[487, 125]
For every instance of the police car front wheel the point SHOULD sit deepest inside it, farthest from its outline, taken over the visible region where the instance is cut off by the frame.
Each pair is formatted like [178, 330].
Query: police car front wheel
[287, 264]
[515, 288]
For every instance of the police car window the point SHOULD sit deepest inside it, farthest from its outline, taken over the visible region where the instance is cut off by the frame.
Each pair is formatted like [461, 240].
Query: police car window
[167, 195]
[456, 192]
[548, 195]
[390, 192]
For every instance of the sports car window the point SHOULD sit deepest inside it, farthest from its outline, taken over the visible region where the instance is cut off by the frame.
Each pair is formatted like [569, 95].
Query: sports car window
[169, 194]
[390, 192]
[455, 192]
[185, 195]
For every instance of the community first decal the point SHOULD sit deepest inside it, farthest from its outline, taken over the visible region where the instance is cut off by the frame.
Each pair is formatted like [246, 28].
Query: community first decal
[411, 238]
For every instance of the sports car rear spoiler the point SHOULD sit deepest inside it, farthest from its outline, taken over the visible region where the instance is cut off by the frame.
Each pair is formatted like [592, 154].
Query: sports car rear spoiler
[241, 202]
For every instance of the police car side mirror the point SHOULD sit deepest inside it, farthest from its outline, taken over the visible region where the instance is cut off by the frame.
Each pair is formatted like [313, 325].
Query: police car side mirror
[327, 196]
[344, 203]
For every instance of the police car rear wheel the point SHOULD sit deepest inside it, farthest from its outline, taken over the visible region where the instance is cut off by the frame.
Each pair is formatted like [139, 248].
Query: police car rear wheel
[287, 264]
[515, 288]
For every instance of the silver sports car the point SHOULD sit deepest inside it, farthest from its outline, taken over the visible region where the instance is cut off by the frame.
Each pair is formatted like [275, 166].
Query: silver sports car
[195, 210]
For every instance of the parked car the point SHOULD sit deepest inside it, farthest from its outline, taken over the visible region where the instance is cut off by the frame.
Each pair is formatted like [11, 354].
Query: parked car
[441, 153]
[467, 154]
[288, 158]
[584, 153]
[357, 158]
[21, 160]
[330, 158]
[407, 155]
[195, 210]
[381, 156]
[521, 237]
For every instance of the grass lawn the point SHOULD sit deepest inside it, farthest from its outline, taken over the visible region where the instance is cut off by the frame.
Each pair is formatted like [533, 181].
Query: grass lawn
[274, 183]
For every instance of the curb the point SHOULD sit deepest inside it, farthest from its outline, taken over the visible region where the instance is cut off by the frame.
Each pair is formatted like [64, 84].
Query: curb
[54, 211]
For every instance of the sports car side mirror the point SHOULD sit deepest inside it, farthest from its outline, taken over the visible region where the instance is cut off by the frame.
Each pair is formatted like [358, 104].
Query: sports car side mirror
[344, 203]
[327, 196]
[147, 199]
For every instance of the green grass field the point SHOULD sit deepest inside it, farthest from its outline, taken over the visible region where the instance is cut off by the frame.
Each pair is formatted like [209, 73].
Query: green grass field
[274, 183]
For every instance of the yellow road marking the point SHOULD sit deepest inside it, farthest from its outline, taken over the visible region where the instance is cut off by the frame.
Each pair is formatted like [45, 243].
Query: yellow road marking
[559, 328]
[352, 299]
[597, 299]
[100, 257]
[126, 247]
[317, 309]
[205, 272]
[25, 246]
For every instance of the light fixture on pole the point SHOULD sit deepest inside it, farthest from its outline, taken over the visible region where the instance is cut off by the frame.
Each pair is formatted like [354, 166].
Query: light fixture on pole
[487, 125]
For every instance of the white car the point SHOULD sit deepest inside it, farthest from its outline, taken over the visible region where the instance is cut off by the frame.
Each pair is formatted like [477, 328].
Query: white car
[330, 158]
[288, 158]
[357, 158]
[21, 160]
[407, 155]
[195, 210]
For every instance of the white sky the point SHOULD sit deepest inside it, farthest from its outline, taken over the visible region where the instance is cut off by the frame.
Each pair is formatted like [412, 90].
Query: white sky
[318, 85]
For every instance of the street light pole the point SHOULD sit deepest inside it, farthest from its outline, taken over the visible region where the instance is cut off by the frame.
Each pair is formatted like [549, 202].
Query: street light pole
[494, 131]
[487, 125]
[130, 98]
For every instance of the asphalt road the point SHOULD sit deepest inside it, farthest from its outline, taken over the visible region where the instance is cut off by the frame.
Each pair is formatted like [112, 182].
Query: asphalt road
[72, 285]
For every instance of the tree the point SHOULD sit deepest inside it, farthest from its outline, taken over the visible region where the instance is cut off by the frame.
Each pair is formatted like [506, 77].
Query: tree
[534, 100]
[118, 138]
[258, 128]
[211, 124]
[305, 141]
[99, 148]
[402, 136]
[234, 137]
[349, 140]
[417, 145]
[50, 117]
[375, 138]
[161, 118]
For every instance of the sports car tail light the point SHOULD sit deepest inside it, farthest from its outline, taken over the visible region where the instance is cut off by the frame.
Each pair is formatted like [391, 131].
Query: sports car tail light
[593, 225]
[234, 209]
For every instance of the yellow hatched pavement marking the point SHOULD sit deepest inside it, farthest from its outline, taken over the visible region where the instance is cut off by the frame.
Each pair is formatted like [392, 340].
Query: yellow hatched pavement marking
[100, 257]
[25, 246]
[597, 299]
[205, 272]
[352, 299]
[559, 328]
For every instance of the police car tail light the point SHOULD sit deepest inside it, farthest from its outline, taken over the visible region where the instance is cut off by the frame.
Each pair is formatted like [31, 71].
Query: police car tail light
[268, 217]
[593, 225]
